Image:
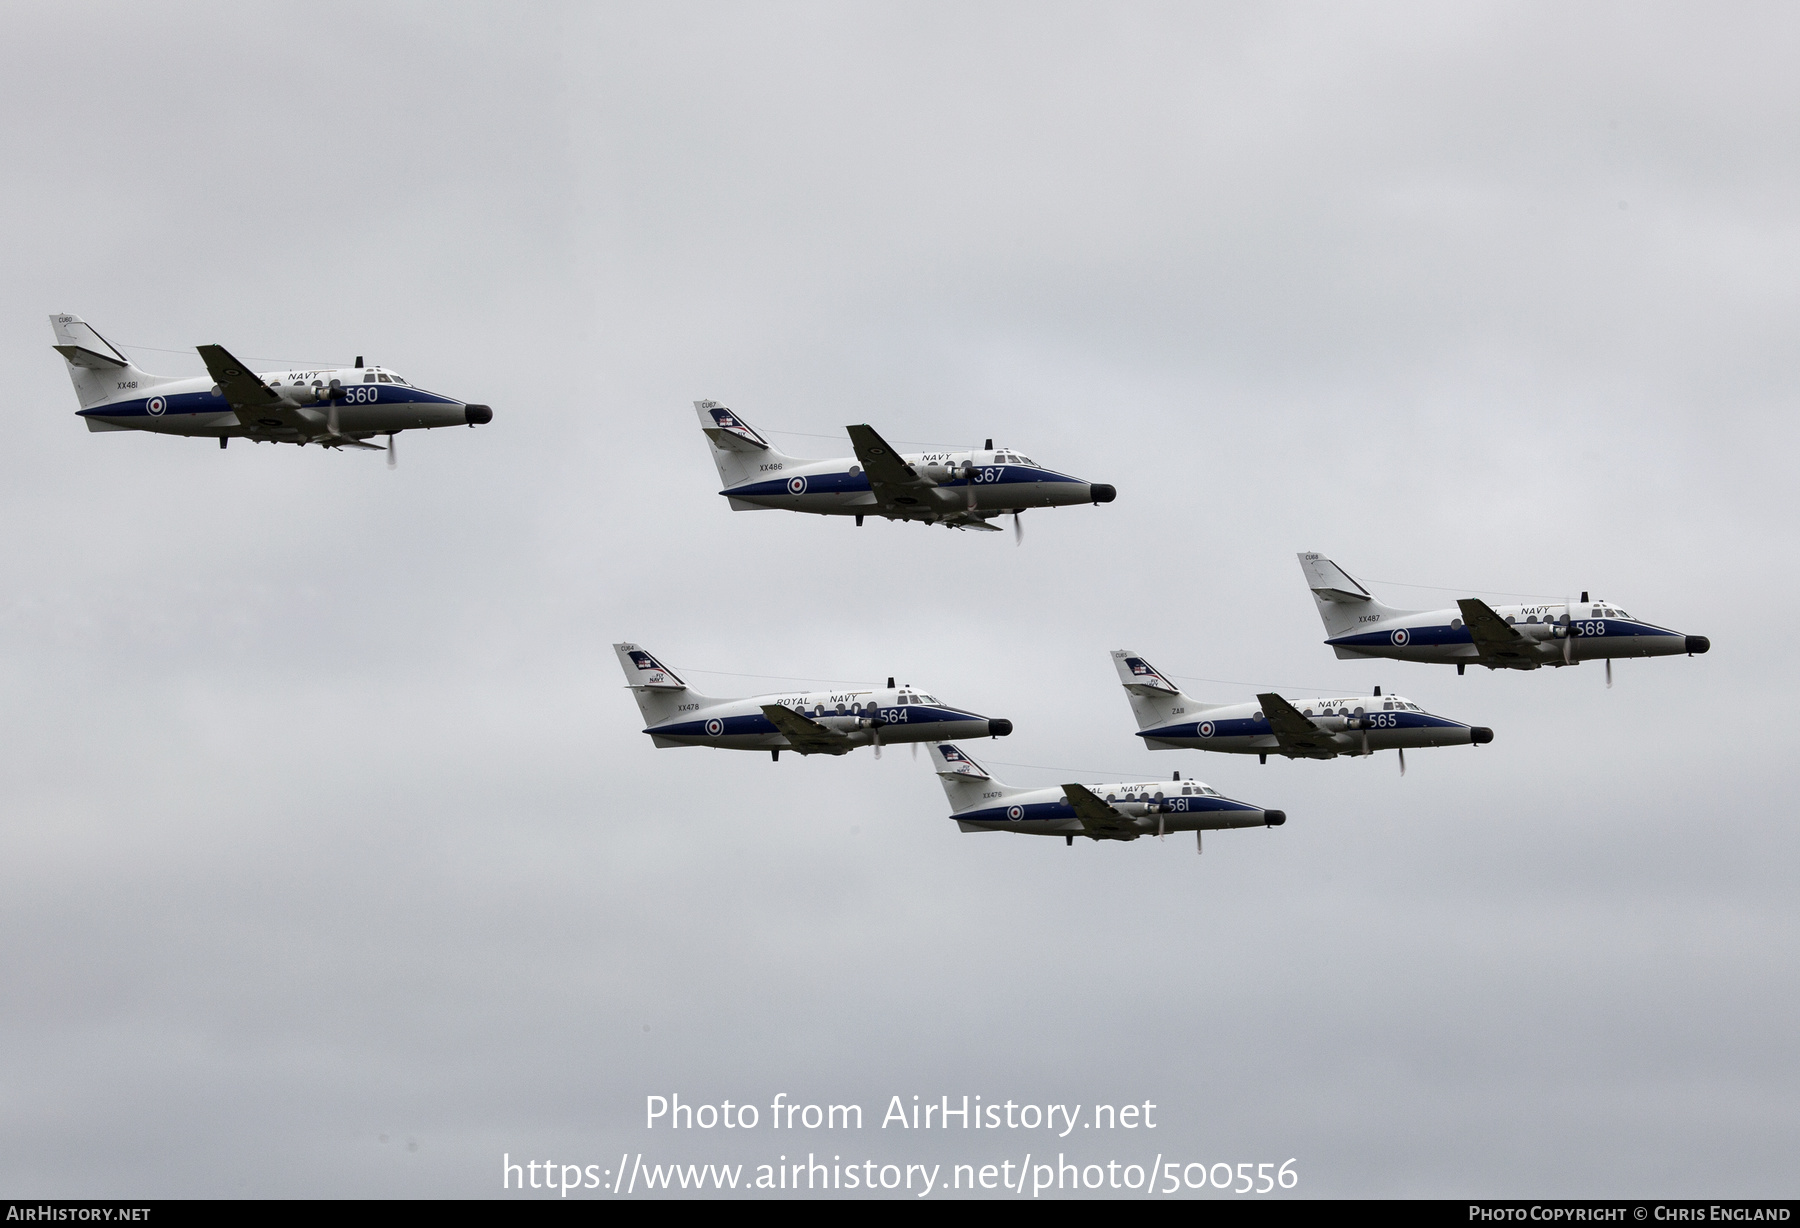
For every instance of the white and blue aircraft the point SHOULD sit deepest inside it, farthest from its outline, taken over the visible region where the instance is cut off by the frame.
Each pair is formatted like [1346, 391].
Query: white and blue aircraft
[960, 490]
[1122, 811]
[833, 722]
[335, 407]
[1476, 633]
[1322, 727]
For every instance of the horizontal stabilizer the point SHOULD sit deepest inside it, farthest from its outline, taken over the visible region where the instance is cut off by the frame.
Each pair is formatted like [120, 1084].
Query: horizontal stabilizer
[81, 356]
[728, 431]
[1329, 581]
[643, 670]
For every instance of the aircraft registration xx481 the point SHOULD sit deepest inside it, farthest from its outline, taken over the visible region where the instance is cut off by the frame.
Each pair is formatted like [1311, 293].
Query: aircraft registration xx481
[961, 490]
[833, 722]
[1317, 728]
[1122, 811]
[337, 407]
[1476, 633]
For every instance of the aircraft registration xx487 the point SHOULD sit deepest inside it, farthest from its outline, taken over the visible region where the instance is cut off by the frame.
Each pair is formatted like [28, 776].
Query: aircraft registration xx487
[1476, 633]
[1122, 811]
[961, 490]
[337, 407]
[833, 722]
[1317, 728]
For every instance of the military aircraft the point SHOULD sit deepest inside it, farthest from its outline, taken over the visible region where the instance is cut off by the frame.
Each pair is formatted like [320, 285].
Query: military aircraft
[1317, 728]
[334, 407]
[978, 802]
[959, 490]
[1476, 633]
[833, 722]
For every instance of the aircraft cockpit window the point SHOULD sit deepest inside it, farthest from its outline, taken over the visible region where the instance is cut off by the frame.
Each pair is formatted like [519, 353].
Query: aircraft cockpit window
[1023, 460]
[369, 378]
[384, 379]
[1209, 791]
[398, 380]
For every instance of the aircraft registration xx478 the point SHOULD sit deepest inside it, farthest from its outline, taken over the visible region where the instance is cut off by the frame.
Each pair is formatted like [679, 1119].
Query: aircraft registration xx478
[833, 722]
[336, 407]
[1476, 633]
[1122, 811]
[961, 490]
[1322, 727]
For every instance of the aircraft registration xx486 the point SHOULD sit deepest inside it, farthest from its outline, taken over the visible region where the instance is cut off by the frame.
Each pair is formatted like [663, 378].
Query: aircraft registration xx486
[1476, 633]
[833, 722]
[1122, 811]
[337, 407]
[1318, 728]
[961, 490]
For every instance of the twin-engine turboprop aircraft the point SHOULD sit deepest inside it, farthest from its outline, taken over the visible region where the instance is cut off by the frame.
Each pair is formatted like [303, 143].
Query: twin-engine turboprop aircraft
[1475, 633]
[1122, 811]
[336, 407]
[1318, 728]
[960, 490]
[805, 722]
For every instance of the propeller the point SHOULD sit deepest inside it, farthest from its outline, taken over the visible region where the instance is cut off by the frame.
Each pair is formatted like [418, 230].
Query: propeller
[915, 749]
[1018, 531]
[1609, 673]
[392, 458]
[1568, 631]
[331, 419]
[1402, 760]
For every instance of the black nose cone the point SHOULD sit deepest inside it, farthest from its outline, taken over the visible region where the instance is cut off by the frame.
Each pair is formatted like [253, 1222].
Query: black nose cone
[1100, 492]
[477, 415]
[1481, 735]
[1274, 818]
[1698, 643]
[999, 729]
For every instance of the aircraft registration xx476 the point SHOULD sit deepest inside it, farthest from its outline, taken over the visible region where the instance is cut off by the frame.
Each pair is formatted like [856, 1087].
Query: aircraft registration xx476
[1476, 633]
[833, 722]
[336, 407]
[1322, 727]
[1121, 811]
[960, 490]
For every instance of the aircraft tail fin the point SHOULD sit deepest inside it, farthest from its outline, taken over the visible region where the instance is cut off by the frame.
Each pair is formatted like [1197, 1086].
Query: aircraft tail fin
[1154, 699]
[96, 367]
[659, 690]
[966, 783]
[1343, 602]
[738, 450]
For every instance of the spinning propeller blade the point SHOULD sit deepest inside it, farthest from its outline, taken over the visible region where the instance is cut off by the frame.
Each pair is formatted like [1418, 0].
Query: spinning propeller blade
[392, 458]
[1018, 531]
[1403, 761]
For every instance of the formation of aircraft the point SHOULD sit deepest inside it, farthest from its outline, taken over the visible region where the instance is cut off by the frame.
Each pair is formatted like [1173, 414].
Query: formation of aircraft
[335, 407]
[1119, 811]
[959, 490]
[343, 407]
[1476, 633]
[833, 722]
[1322, 727]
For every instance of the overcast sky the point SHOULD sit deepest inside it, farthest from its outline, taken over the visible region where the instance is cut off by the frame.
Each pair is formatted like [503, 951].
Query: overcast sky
[333, 860]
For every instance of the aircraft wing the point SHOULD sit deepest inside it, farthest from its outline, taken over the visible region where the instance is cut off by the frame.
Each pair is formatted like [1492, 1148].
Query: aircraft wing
[806, 735]
[1495, 639]
[241, 388]
[1295, 733]
[1098, 819]
[896, 485]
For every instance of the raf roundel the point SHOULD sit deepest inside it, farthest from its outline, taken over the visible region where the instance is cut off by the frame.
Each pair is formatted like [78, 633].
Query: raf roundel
[1015, 813]
[156, 405]
[715, 727]
[1206, 729]
[1400, 637]
[796, 486]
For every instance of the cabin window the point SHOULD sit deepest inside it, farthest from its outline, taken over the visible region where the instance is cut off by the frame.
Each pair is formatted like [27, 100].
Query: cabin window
[1456, 622]
[1306, 712]
[840, 709]
[1111, 798]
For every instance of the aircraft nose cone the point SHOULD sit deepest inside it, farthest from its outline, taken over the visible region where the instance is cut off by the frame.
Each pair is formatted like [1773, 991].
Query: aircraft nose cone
[1698, 643]
[477, 415]
[999, 728]
[1274, 818]
[1100, 492]
[1481, 735]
